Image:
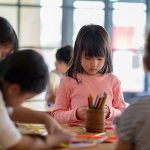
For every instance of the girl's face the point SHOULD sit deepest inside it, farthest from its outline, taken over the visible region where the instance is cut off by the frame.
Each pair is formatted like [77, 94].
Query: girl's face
[61, 67]
[14, 96]
[92, 65]
[5, 49]
[19, 99]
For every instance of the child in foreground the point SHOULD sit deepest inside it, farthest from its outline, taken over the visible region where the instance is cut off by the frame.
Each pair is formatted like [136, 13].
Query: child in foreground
[8, 45]
[133, 125]
[24, 74]
[90, 73]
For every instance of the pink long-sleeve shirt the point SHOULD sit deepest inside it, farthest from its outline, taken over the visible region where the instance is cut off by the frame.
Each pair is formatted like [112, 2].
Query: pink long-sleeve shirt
[72, 95]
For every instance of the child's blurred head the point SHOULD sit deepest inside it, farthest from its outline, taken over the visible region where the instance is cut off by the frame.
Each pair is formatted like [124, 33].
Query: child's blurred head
[92, 41]
[146, 58]
[22, 75]
[8, 38]
[63, 57]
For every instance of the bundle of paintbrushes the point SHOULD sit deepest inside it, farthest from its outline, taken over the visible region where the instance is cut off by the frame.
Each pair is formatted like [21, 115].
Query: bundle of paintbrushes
[98, 103]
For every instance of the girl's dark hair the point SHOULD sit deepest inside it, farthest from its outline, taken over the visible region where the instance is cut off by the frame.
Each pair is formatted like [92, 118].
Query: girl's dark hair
[64, 54]
[25, 68]
[8, 34]
[147, 45]
[93, 41]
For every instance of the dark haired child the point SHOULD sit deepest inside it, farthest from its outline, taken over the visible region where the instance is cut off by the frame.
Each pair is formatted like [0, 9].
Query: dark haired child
[24, 74]
[8, 45]
[90, 73]
[63, 57]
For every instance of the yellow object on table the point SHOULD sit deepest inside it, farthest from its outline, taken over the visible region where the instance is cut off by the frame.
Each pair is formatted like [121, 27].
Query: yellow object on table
[32, 128]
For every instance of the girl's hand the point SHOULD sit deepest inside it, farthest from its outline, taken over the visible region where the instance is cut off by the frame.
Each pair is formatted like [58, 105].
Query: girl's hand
[106, 111]
[52, 125]
[81, 113]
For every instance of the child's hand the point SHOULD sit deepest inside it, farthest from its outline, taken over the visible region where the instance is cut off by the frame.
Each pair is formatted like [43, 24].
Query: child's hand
[66, 136]
[62, 137]
[81, 112]
[52, 125]
[106, 111]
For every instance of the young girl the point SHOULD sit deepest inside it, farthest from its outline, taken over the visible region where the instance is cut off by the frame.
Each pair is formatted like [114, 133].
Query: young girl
[8, 38]
[89, 74]
[23, 75]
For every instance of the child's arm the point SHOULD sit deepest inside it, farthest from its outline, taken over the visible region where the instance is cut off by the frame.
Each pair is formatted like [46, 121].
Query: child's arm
[50, 94]
[117, 105]
[62, 112]
[25, 115]
[52, 87]
[11, 138]
[36, 142]
[51, 98]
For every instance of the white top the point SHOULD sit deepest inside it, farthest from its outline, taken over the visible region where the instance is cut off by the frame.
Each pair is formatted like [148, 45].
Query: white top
[53, 84]
[9, 135]
[54, 81]
[134, 124]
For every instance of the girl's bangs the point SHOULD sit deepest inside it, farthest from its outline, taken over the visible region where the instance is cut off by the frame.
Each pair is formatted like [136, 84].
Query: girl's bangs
[94, 50]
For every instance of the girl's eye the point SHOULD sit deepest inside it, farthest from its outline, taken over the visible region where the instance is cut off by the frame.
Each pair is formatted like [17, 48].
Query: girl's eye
[88, 58]
[99, 58]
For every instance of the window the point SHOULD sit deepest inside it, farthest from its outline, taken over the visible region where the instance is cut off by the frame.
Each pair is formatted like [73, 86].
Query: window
[42, 28]
[10, 12]
[127, 42]
[87, 12]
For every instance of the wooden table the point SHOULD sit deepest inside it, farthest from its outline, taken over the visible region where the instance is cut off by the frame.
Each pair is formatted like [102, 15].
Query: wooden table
[42, 106]
[40, 129]
[101, 146]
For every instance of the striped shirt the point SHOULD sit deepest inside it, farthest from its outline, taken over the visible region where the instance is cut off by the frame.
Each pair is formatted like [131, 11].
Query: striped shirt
[134, 124]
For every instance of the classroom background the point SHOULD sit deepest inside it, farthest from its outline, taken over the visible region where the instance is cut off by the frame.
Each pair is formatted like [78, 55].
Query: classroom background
[46, 25]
